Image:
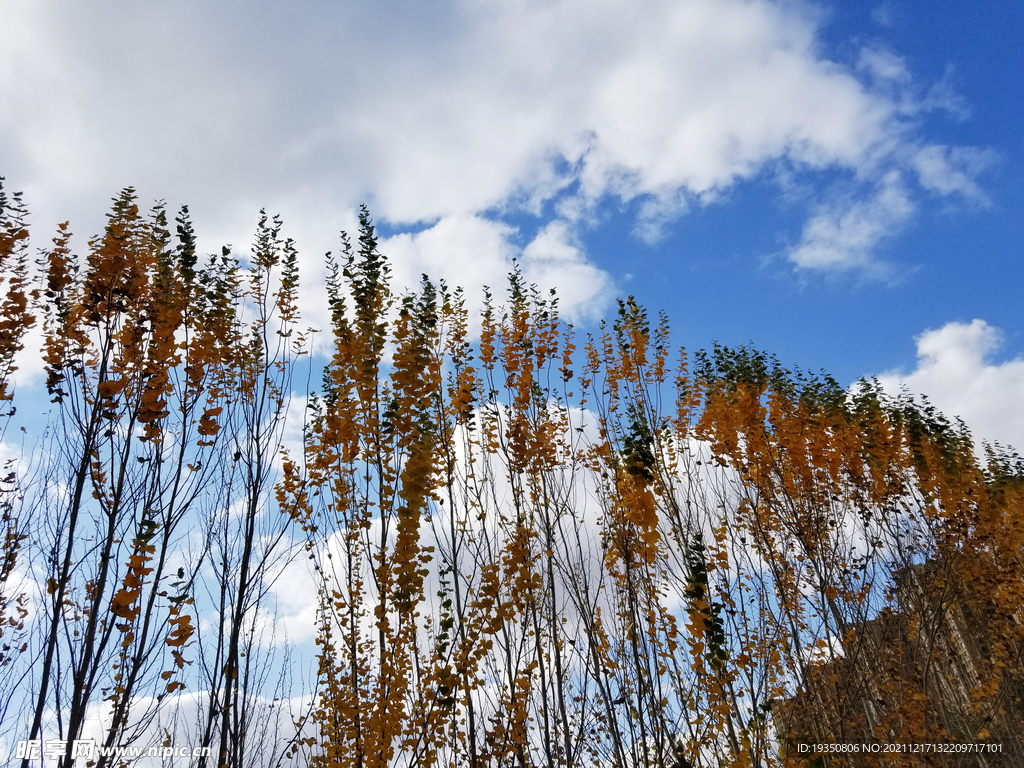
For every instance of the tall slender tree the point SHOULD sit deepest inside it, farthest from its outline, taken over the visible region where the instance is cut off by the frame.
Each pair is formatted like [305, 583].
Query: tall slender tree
[523, 553]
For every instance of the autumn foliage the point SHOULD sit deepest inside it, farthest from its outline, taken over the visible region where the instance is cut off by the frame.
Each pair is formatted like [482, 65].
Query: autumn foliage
[526, 547]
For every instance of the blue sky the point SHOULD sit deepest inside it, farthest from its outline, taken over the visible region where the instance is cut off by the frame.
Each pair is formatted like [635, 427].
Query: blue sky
[839, 183]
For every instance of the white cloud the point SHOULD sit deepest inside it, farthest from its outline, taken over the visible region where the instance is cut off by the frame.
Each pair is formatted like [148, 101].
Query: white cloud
[474, 252]
[462, 249]
[293, 613]
[844, 236]
[30, 364]
[955, 369]
[953, 170]
[883, 14]
[884, 64]
[555, 260]
[440, 113]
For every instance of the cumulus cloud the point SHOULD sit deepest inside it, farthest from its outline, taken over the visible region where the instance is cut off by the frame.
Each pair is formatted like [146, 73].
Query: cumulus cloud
[474, 252]
[450, 115]
[555, 260]
[292, 616]
[460, 249]
[956, 369]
